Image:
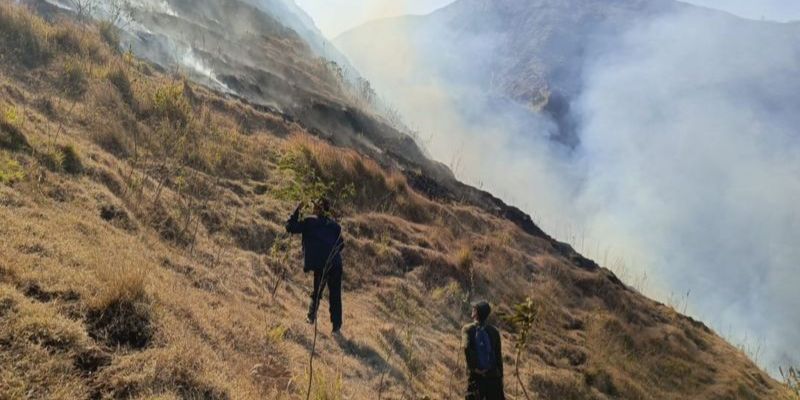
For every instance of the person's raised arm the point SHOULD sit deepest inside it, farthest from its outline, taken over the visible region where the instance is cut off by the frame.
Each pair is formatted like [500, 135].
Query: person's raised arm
[294, 224]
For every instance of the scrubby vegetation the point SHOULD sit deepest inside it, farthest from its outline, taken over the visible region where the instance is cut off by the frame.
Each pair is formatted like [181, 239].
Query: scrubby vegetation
[143, 256]
[10, 170]
[791, 378]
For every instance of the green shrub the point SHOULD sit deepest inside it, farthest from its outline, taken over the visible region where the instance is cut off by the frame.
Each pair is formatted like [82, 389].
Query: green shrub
[10, 170]
[308, 183]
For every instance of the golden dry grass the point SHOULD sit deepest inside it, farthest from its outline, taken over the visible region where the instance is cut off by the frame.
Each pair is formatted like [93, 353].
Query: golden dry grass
[148, 271]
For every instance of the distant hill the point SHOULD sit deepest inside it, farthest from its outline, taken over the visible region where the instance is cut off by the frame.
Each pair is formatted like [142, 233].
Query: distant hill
[530, 51]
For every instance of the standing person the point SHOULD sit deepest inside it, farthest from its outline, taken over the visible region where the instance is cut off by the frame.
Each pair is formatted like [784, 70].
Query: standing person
[482, 347]
[322, 252]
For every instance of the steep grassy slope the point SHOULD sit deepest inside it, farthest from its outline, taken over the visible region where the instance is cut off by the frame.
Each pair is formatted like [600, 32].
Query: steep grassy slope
[251, 50]
[142, 256]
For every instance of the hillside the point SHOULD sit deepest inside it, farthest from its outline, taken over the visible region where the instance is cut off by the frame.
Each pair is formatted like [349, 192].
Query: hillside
[265, 52]
[143, 255]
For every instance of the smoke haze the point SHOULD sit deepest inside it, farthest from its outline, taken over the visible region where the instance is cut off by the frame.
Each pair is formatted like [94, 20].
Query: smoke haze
[687, 169]
[691, 145]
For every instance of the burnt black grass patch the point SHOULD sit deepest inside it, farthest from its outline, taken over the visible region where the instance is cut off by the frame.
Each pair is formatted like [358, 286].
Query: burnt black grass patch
[122, 323]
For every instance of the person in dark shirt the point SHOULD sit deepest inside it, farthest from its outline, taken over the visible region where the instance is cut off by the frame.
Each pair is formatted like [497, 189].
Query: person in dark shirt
[322, 253]
[482, 348]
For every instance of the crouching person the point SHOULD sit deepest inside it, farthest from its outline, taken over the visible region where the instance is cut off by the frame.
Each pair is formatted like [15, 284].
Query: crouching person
[482, 347]
[322, 247]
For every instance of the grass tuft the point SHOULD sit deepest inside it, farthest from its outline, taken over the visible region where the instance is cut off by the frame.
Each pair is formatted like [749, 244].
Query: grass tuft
[170, 103]
[109, 33]
[10, 170]
[119, 78]
[121, 315]
[11, 137]
[326, 388]
[71, 160]
[61, 159]
[23, 37]
[73, 79]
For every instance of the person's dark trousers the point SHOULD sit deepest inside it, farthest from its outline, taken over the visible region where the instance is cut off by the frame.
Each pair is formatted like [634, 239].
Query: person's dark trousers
[334, 283]
[480, 388]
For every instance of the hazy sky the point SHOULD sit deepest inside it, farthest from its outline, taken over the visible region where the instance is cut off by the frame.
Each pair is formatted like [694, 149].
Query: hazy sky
[336, 16]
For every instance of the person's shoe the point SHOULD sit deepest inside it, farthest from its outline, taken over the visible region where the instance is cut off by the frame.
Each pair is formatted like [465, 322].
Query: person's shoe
[310, 320]
[337, 331]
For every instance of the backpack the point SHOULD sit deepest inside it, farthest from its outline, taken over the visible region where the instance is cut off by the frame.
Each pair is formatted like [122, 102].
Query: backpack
[483, 349]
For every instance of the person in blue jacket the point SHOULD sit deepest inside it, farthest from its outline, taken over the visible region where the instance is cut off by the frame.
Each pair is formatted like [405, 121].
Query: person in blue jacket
[322, 253]
[482, 347]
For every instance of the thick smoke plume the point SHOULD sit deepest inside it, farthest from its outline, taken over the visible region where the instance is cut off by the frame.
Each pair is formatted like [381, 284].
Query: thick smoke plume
[686, 172]
[692, 151]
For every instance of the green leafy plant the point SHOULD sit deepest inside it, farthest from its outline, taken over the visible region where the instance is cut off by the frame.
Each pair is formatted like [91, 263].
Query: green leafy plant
[309, 184]
[522, 319]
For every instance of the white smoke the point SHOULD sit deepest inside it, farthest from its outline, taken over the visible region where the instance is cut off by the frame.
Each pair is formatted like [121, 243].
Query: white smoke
[687, 171]
[195, 64]
[692, 149]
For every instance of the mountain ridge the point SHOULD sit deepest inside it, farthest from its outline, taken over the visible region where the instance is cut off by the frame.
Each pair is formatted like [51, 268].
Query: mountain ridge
[533, 53]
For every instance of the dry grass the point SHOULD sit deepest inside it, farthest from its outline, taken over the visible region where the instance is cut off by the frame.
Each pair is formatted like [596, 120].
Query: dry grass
[136, 263]
[25, 37]
[367, 185]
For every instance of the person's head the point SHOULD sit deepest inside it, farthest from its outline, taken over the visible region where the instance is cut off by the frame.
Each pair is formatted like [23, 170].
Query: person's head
[322, 207]
[481, 311]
